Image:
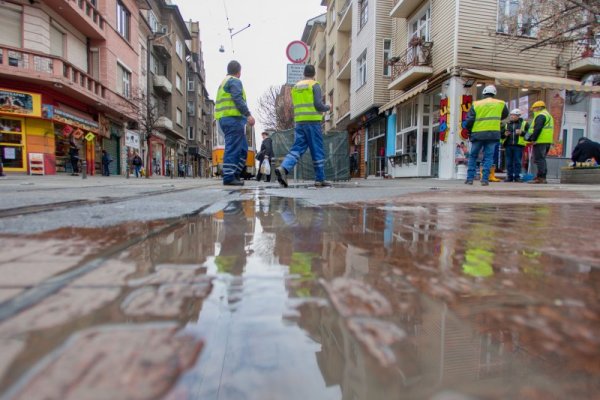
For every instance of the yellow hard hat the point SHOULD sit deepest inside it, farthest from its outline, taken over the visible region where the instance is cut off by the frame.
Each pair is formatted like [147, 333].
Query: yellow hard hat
[538, 104]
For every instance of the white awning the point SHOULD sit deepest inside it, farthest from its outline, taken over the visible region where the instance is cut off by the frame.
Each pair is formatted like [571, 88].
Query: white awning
[529, 81]
[421, 87]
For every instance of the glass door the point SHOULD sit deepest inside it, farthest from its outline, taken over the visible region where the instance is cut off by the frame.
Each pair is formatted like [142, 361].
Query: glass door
[12, 144]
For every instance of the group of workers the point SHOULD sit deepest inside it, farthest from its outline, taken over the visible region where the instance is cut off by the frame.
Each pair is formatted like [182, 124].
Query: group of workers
[232, 113]
[484, 122]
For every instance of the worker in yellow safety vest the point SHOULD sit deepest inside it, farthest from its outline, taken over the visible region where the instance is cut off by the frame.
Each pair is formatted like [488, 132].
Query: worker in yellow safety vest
[483, 122]
[542, 136]
[232, 114]
[513, 134]
[308, 116]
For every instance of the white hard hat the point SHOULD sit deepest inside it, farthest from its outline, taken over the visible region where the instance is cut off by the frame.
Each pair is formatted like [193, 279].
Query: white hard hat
[490, 89]
[516, 111]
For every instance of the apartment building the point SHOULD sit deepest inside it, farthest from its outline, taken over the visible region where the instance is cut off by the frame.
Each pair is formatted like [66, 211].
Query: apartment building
[443, 53]
[199, 108]
[168, 89]
[68, 72]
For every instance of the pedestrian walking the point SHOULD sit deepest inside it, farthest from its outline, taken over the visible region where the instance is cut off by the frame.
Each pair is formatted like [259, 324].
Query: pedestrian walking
[542, 136]
[106, 160]
[232, 114]
[308, 114]
[137, 163]
[513, 133]
[265, 153]
[483, 123]
[74, 156]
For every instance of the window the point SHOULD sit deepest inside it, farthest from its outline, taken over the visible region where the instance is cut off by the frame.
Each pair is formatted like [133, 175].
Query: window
[178, 82]
[513, 19]
[153, 21]
[387, 52]
[333, 14]
[331, 60]
[179, 117]
[123, 81]
[10, 24]
[420, 25]
[406, 137]
[123, 20]
[190, 133]
[191, 85]
[179, 48]
[362, 69]
[191, 109]
[57, 41]
[364, 12]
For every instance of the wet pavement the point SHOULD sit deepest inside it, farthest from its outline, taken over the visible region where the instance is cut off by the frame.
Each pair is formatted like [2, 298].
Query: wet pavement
[487, 296]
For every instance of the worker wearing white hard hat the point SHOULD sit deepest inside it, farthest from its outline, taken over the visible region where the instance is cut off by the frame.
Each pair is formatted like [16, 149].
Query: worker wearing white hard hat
[484, 124]
[513, 140]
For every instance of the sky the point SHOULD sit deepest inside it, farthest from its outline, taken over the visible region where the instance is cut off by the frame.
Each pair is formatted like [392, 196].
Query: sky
[260, 49]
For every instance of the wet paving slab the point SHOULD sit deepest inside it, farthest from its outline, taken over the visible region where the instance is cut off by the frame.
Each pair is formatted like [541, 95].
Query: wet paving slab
[272, 298]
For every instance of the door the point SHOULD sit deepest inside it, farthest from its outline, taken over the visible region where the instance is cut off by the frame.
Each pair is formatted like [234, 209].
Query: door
[571, 135]
[435, 152]
[112, 148]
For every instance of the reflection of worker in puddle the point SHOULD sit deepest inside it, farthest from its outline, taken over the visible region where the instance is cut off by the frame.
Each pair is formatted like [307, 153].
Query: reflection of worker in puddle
[479, 256]
[303, 230]
[232, 257]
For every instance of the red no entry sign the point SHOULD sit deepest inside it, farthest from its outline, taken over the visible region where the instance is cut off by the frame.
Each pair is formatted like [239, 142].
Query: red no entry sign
[297, 52]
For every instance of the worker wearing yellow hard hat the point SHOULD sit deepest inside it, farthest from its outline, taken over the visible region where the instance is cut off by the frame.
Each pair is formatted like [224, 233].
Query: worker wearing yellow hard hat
[542, 136]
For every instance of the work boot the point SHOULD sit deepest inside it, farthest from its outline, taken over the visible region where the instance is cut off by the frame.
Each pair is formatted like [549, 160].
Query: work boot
[492, 177]
[485, 183]
[323, 184]
[509, 180]
[235, 182]
[281, 176]
[469, 182]
[538, 180]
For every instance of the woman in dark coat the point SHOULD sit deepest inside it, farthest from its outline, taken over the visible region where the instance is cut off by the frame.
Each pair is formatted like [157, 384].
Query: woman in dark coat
[266, 152]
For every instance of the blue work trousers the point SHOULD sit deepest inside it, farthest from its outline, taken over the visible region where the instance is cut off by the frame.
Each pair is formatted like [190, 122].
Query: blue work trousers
[308, 136]
[488, 147]
[514, 157]
[236, 147]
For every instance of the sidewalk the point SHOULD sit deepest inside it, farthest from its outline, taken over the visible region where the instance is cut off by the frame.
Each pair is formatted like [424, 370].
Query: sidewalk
[25, 190]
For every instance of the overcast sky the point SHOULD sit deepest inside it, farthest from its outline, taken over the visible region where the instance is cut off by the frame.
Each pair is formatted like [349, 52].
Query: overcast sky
[260, 49]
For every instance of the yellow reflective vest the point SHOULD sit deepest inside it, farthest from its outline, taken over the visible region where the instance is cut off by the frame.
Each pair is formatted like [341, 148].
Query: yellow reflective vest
[488, 116]
[304, 102]
[224, 105]
[547, 134]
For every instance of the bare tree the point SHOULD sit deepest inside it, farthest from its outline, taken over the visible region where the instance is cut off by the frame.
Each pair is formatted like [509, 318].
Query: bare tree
[147, 114]
[552, 23]
[275, 108]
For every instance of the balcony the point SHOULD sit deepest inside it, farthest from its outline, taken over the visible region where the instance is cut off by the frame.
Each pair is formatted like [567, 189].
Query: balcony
[82, 14]
[412, 66]
[50, 71]
[163, 46]
[164, 123]
[162, 84]
[322, 57]
[343, 110]
[344, 65]
[404, 8]
[588, 61]
[345, 24]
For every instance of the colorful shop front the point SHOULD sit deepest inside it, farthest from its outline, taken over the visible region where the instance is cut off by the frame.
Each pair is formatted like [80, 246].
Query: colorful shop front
[38, 130]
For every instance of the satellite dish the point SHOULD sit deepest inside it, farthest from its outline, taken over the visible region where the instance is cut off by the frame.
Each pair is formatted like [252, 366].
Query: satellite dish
[222, 49]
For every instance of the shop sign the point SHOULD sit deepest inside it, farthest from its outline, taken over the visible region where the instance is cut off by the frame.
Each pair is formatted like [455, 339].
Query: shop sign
[90, 136]
[47, 111]
[132, 139]
[20, 103]
[75, 121]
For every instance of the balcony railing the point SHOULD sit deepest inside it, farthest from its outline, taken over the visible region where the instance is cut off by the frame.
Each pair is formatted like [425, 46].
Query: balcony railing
[414, 56]
[83, 14]
[53, 69]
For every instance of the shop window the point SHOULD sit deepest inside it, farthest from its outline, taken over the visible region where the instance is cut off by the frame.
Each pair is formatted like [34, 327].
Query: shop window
[123, 21]
[11, 24]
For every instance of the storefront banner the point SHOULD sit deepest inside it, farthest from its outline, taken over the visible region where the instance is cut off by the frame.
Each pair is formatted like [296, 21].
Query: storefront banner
[75, 121]
[90, 136]
[20, 103]
[132, 139]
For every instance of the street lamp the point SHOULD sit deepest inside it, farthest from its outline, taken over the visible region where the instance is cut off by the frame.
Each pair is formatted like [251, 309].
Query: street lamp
[231, 35]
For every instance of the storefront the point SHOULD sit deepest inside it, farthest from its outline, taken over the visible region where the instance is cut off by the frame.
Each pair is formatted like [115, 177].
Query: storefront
[21, 129]
[132, 145]
[376, 165]
[157, 151]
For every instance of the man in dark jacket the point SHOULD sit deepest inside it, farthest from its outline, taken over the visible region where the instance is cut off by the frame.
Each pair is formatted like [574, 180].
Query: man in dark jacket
[265, 153]
[513, 135]
[586, 149]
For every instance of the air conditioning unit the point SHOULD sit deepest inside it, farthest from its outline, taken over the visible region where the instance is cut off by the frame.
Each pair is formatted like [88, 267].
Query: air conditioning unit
[164, 29]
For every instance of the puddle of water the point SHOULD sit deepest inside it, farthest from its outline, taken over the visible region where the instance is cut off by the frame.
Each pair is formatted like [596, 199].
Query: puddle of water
[270, 298]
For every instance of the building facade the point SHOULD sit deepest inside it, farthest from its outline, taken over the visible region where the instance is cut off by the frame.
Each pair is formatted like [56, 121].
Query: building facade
[401, 73]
